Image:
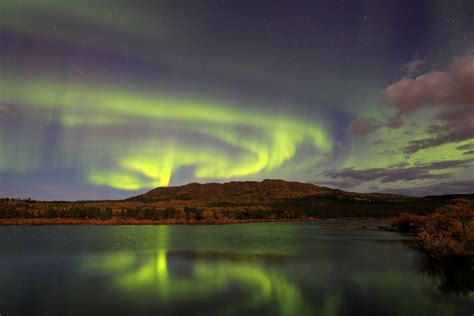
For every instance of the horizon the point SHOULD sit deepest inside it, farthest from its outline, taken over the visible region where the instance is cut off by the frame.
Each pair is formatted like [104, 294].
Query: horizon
[112, 99]
[237, 181]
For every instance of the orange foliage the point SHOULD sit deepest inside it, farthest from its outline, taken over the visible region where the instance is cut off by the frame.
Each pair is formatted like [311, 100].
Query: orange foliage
[448, 232]
[409, 223]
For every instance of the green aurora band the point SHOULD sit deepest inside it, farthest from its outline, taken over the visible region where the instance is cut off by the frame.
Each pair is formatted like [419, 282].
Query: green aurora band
[232, 144]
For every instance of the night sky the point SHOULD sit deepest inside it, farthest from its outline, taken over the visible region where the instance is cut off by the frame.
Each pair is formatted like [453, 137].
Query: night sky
[105, 99]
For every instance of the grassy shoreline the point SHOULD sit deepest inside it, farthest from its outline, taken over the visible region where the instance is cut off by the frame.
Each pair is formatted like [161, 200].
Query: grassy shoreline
[133, 221]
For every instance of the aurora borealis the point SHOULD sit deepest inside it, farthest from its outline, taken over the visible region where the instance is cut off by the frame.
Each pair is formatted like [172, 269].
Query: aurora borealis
[103, 99]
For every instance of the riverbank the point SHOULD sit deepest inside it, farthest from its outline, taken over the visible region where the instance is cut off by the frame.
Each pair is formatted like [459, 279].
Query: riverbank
[134, 221]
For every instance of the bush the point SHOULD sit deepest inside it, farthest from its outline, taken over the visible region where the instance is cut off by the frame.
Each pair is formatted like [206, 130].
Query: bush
[409, 223]
[447, 233]
[443, 235]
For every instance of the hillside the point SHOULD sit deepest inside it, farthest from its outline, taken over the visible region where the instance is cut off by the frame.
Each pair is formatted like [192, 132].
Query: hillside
[234, 193]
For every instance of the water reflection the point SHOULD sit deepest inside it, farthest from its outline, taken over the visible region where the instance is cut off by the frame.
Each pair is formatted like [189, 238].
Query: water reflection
[258, 269]
[175, 277]
[250, 284]
[455, 276]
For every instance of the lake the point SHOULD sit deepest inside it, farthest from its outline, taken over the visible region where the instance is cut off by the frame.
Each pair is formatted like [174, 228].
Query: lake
[317, 268]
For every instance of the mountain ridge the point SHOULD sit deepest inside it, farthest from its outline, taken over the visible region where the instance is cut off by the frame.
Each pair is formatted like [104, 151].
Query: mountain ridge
[253, 192]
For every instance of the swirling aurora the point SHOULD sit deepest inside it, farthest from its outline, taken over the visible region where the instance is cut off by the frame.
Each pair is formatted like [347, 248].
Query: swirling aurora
[231, 144]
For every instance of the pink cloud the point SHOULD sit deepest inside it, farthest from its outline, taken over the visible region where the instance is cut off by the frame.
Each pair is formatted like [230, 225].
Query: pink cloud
[435, 87]
[363, 126]
[395, 122]
[452, 90]
[452, 87]
[4, 110]
[413, 66]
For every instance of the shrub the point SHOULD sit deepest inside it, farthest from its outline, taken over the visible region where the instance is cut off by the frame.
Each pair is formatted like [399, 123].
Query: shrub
[409, 223]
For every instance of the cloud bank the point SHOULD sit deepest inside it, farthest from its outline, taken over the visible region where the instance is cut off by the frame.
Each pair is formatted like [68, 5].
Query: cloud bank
[424, 171]
[450, 90]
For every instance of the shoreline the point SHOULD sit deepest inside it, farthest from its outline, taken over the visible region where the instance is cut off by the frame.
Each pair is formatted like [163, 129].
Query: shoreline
[133, 221]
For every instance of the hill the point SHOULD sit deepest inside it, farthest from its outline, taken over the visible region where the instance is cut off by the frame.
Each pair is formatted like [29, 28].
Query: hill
[234, 193]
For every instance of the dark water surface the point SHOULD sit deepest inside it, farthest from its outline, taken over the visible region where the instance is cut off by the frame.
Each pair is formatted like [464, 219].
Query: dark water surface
[250, 269]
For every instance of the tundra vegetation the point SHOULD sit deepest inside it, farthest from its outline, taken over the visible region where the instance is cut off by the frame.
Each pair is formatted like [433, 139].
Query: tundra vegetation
[147, 211]
[446, 240]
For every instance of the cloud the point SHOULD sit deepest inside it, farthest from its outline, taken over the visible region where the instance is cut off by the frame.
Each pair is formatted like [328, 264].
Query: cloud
[431, 88]
[384, 175]
[4, 110]
[465, 147]
[468, 147]
[379, 142]
[398, 173]
[395, 121]
[340, 184]
[452, 90]
[413, 66]
[450, 87]
[363, 126]
[454, 134]
[450, 187]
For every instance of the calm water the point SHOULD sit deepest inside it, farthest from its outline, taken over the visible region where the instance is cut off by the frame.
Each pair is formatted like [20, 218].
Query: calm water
[251, 269]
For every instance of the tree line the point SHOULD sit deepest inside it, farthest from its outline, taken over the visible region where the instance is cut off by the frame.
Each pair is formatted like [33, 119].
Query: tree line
[301, 208]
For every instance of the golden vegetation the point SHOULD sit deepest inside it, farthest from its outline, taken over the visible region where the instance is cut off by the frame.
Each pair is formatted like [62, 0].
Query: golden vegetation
[447, 232]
